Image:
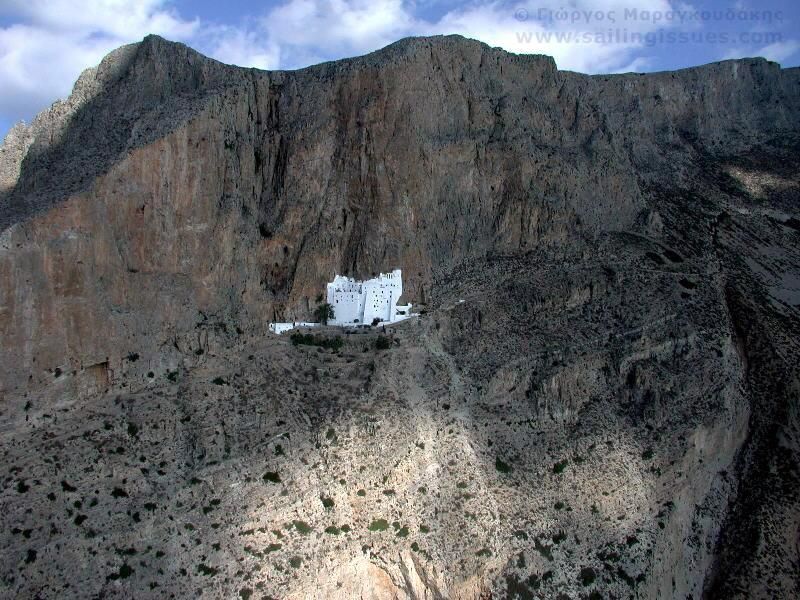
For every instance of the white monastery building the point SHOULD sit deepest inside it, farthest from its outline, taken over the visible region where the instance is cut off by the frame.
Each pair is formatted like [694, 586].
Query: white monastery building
[360, 302]
[355, 302]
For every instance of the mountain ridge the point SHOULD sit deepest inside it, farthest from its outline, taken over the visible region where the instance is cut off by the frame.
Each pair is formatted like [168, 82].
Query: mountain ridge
[598, 398]
[114, 66]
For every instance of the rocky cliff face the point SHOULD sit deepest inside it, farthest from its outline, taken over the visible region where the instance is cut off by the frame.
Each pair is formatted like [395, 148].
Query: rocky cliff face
[612, 408]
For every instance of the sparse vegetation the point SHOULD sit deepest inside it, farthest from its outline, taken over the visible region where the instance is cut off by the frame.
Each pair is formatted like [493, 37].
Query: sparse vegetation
[545, 551]
[379, 525]
[308, 339]
[124, 572]
[271, 477]
[502, 466]
[324, 313]
[587, 576]
[302, 527]
[206, 570]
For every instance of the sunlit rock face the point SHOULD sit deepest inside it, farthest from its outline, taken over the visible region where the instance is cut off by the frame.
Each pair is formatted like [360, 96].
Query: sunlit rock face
[600, 397]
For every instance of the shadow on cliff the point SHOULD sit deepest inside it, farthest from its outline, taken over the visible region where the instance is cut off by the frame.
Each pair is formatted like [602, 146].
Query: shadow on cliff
[138, 94]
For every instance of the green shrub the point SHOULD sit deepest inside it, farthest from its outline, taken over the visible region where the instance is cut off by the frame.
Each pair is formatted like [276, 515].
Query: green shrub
[379, 525]
[502, 466]
[327, 502]
[125, 571]
[302, 527]
[324, 313]
[307, 339]
[272, 477]
[206, 570]
[383, 343]
[542, 549]
[587, 576]
[560, 466]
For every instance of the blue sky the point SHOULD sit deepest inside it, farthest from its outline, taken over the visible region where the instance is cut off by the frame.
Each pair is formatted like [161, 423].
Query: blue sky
[45, 44]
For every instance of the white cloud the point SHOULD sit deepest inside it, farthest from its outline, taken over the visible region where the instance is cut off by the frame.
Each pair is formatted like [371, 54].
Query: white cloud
[585, 36]
[779, 51]
[112, 18]
[307, 31]
[242, 46]
[42, 56]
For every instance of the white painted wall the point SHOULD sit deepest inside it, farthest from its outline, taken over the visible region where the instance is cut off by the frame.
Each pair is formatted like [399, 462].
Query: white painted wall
[357, 302]
[280, 328]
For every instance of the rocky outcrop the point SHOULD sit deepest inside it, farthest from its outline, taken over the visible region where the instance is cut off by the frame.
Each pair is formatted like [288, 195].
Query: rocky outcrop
[583, 407]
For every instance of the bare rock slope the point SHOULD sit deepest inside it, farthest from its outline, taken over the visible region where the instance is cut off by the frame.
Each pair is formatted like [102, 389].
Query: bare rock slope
[600, 399]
